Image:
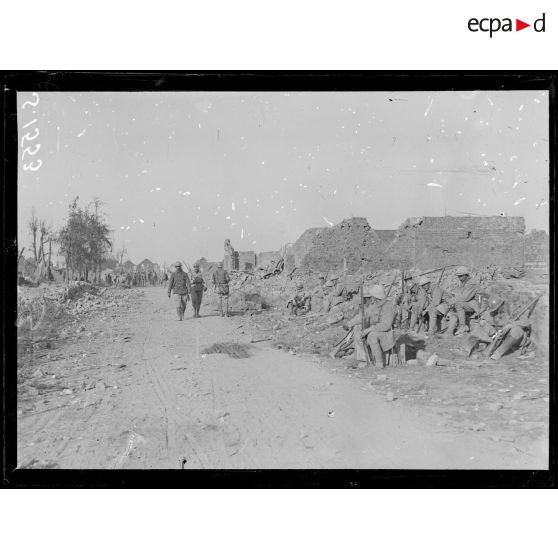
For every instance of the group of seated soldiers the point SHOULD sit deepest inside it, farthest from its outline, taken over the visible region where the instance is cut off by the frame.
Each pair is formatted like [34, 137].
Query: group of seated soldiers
[425, 306]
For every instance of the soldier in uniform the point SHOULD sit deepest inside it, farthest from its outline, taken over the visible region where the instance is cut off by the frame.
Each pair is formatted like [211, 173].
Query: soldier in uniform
[418, 305]
[464, 302]
[432, 302]
[404, 303]
[300, 302]
[179, 286]
[198, 288]
[496, 319]
[379, 315]
[221, 282]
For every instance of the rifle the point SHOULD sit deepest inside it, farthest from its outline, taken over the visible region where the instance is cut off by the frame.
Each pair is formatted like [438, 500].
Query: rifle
[435, 270]
[363, 325]
[389, 290]
[500, 336]
[441, 275]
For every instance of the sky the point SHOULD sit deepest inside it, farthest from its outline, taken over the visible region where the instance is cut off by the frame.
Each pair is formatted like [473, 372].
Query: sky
[179, 172]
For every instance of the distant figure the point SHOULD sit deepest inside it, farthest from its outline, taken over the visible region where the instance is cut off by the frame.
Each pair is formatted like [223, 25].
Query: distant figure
[180, 287]
[109, 279]
[164, 279]
[300, 303]
[198, 288]
[221, 282]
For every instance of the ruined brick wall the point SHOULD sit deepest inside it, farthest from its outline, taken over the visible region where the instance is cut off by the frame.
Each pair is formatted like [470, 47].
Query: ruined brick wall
[430, 242]
[245, 261]
[537, 249]
[300, 248]
[263, 259]
[352, 244]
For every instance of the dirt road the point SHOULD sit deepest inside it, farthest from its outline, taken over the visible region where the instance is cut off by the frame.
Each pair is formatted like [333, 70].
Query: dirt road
[139, 390]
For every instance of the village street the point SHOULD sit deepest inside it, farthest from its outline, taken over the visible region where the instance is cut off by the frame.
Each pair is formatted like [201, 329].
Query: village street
[136, 389]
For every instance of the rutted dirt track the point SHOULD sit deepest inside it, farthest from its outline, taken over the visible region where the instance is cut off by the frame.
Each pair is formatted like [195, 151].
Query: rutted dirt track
[145, 394]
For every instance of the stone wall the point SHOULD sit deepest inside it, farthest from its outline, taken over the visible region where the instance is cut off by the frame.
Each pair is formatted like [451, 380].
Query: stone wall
[245, 261]
[430, 242]
[421, 242]
[297, 252]
[351, 245]
[537, 249]
[263, 259]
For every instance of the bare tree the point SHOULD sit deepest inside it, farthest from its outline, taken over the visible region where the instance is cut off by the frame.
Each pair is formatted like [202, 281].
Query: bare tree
[44, 239]
[121, 253]
[33, 225]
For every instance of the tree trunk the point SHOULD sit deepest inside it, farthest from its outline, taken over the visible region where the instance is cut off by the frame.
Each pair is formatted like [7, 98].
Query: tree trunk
[35, 244]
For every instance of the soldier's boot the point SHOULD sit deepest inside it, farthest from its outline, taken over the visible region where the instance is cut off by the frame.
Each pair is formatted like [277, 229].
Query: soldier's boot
[179, 314]
[462, 319]
[413, 321]
[378, 355]
[227, 308]
[452, 324]
[507, 344]
[432, 322]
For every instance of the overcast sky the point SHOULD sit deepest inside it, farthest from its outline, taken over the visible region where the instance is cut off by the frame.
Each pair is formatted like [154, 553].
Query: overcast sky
[180, 172]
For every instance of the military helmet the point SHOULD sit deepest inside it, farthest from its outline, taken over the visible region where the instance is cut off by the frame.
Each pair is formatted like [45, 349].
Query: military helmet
[367, 290]
[177, 264]
[424, 281]
[494, 303]
[462, 270]
[299, 285]
[220, 264]
[196, 265]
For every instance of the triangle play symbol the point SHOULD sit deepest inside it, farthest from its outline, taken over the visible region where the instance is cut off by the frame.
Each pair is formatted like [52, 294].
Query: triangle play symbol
[519, 25]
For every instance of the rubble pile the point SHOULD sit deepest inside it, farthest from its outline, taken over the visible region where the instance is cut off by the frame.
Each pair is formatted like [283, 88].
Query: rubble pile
[49, 301]
[335, 299]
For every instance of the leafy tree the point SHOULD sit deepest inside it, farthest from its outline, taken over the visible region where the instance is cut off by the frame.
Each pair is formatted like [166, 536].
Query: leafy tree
[84, 240]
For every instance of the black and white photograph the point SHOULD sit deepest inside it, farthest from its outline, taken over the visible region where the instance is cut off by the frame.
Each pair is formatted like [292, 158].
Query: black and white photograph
[288, 279]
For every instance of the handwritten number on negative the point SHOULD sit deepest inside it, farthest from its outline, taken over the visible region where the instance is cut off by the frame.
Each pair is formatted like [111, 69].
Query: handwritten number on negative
[29, 152]
[29, 166]
[33, 104]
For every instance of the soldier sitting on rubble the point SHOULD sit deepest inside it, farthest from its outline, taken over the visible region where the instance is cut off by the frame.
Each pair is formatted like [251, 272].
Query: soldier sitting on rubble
[299, 304]
[379, 318]
[405, 301]
[496, 319]
[463, 302]
[432, 302]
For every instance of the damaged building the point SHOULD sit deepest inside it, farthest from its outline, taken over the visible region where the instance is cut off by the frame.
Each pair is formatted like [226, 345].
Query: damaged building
[422, 243]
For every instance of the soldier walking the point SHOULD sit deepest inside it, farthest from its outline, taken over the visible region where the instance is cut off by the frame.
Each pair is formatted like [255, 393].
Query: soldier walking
[180, 287]
[221, 282]
[198, 288]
